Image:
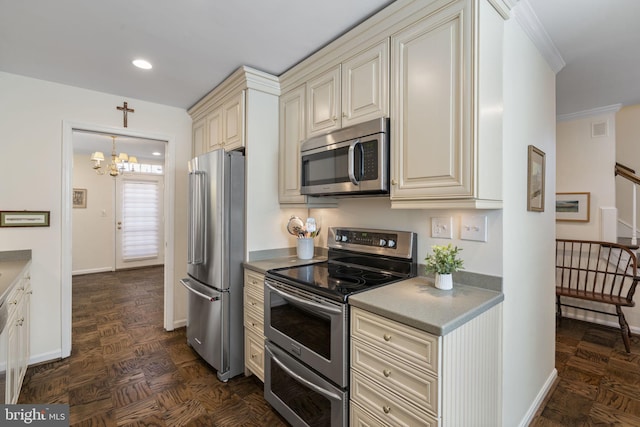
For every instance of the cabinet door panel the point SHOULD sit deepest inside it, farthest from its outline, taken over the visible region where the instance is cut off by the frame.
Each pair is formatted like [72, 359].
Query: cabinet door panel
[214, 129]
[365, 81]
[433, 146]
[323, 100]
[234, 122]
[200, 144]
[292, 133]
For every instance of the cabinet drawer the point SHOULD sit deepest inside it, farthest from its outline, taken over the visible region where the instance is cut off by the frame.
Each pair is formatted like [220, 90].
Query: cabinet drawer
[400, 340]
[359, 417]
[254, 353]
[401, 378]
[252, 301]
[254, 320]
[385, 405]
[254, 284]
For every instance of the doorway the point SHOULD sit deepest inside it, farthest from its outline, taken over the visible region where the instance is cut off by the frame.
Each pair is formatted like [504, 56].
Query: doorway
[67, 218]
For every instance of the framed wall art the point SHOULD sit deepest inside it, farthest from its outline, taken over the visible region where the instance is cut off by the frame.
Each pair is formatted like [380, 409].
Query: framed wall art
[573, 207]
[79, 197]
[535, 180]
[24, 218]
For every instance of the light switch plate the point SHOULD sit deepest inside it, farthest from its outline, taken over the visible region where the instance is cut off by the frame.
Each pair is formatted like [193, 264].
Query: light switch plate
[442, 227]
[473, 227]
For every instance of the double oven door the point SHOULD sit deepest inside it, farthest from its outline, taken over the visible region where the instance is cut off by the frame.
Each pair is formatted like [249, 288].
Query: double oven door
[306, 371]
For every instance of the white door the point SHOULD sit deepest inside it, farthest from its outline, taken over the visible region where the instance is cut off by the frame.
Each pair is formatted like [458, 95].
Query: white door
[139, 221]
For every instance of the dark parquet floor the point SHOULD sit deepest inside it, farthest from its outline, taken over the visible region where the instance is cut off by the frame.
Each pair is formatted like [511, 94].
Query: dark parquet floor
[598, 381]
[126, 370]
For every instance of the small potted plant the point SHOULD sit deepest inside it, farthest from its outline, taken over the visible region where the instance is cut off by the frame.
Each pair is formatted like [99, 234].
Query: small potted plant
[443, 261]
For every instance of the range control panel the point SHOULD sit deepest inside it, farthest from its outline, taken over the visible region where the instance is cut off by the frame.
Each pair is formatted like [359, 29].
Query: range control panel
[397, 244]
[366, 238]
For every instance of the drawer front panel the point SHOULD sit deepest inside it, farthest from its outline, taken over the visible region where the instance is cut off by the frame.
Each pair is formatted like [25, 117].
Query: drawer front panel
[254, 320]
[401, 378]
[254, 353]
[359, 417]
[254, 284]
[386, 406]
[400, 340]
[253, 302]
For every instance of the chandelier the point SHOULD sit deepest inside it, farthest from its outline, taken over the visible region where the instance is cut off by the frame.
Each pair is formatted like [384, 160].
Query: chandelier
[118, 161]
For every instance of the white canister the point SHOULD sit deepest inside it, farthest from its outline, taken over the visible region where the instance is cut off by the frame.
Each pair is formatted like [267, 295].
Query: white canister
[305, 248]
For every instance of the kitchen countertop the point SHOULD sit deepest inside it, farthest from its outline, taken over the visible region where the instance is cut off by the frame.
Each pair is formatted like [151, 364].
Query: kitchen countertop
[262, 266]
[417, 302]
[11, 265]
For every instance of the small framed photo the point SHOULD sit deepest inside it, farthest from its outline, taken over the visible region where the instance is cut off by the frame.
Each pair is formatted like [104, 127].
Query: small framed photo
[24, 218]
[79, 197]
[535, 180]
[573, 207]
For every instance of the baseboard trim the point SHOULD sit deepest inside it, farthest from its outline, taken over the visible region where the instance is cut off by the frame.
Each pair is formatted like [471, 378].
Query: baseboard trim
[585, 318]
[45, 357]
[540, 399]
[179, 323]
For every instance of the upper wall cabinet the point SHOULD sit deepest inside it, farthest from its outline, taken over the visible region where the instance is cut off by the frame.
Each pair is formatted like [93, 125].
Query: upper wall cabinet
[220, 118]
[352, 92]
[292, 133]
[446, 109]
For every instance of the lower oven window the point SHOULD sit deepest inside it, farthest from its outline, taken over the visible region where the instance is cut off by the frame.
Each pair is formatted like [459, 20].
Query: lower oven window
[312, 407]
[312, 330]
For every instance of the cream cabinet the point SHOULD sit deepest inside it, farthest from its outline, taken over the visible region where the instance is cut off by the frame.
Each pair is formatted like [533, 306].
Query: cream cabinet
[292, 134]
[16, 349]
[254, 323]
[352, 92]
[446, 109]
[221, 118]
[403, 376]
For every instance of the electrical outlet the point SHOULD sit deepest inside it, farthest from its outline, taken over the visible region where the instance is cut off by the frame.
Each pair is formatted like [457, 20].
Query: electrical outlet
[473, 228]
[442, 227]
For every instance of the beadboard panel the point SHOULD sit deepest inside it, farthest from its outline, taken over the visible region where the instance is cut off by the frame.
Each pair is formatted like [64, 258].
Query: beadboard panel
[471, 391]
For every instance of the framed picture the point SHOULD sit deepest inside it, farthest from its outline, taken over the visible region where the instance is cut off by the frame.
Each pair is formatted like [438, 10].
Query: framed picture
[535, 180]
[24, 218]
[79, 197]
[573, 207]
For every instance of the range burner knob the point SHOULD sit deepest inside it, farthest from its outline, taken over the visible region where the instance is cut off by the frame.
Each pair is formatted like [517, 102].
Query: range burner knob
[338, 237]
[391, 243]
[383, 243]
[344, 238]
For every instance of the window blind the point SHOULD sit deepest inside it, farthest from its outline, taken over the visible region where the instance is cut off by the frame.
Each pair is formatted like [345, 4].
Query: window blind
[140, 219]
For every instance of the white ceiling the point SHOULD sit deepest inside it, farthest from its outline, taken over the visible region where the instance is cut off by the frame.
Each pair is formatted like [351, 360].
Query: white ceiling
[195, 44]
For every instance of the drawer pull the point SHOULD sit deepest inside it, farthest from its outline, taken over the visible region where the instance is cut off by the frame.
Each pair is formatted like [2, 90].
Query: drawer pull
[253, 356]
[386, 409]
[386, 372]
[387, 337]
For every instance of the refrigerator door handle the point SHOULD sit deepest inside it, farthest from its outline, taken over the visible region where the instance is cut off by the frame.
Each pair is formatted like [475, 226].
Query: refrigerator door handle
[197, 214]
[185, 283]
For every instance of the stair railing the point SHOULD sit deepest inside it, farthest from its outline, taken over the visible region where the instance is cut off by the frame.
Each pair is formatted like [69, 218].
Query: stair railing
[630, 174]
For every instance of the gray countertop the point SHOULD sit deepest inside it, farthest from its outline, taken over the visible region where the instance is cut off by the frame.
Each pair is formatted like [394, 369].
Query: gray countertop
[417, 302]
[262, 266]
[11, 265]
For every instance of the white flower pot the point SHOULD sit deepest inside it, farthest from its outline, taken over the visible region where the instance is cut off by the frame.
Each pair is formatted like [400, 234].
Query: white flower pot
[444, 281]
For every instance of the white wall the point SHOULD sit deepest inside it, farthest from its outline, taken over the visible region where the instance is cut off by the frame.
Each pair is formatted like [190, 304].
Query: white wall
[585, 164]
[93, 241]
[31, 118]
[529, 237]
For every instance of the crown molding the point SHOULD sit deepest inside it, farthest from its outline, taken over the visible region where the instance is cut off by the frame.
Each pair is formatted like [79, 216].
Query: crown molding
[531, 25]
[600, 111]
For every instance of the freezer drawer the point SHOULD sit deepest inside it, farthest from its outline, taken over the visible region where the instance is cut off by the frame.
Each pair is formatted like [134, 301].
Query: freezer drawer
[206, 323]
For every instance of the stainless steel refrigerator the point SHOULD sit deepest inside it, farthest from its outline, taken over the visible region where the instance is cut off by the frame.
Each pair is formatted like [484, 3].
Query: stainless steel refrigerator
[215, 256]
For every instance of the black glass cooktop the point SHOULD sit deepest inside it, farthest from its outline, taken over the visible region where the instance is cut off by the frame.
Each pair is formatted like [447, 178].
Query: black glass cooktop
[334, 280]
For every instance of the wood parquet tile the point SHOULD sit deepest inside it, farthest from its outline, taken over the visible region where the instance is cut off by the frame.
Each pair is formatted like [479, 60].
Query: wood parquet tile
[126, 370]
[598, 381]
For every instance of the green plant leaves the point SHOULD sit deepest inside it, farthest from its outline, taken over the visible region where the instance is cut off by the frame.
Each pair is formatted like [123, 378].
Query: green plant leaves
[443, 260]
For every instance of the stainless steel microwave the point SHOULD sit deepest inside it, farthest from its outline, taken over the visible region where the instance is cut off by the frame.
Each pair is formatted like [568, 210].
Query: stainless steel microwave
[353, 161]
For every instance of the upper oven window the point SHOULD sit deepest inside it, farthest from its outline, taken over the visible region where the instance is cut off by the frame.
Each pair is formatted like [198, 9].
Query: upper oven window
[311, 329]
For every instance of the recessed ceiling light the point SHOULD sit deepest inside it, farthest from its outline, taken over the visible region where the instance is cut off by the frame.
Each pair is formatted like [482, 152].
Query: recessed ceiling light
[155, 153]
[141, 63]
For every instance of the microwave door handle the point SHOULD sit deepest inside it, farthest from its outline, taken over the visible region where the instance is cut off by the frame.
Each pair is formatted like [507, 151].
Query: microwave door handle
[302, 301]
[352, 162]
[315, 387]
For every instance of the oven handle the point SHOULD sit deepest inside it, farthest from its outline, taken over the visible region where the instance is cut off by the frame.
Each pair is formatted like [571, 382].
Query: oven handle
[326, 393]
[302, 301]
[352, 166]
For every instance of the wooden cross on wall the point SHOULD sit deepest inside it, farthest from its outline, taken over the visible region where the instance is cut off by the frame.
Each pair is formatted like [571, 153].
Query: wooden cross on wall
[125, 109]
